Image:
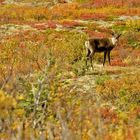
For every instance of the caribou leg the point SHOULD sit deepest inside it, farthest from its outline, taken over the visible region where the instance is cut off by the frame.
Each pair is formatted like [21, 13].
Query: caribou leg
[104, 57]
[109, 57]
[91, 57]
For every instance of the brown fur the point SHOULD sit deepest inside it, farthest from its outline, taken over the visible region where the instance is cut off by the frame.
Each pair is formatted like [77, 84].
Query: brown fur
[100, 45]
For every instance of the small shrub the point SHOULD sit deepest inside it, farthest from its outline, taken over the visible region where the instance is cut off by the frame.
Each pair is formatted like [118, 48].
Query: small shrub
[10, 110]
[135, 24]
[101, 79]
[123, 88]
[79, 67]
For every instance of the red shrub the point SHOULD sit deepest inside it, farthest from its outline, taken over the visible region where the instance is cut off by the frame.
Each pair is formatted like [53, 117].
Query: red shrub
[40, 26]
[70, 23]
[95, 34]
[117, 62]
[51, 24]
[136, 53]
[1, 1]
[105, 30]
[109, 115]
[114, 3]
[43, 26]
[103, 3]
[133, 3]
[95, 16]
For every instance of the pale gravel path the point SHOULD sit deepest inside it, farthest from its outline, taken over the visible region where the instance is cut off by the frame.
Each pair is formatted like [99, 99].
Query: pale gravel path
[87, 83]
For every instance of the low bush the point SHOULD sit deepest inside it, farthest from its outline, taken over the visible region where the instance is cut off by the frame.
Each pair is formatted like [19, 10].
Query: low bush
[125, 90]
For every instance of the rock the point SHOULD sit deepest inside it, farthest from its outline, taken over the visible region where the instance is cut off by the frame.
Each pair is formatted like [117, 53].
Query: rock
[123, 18]
[10, 29]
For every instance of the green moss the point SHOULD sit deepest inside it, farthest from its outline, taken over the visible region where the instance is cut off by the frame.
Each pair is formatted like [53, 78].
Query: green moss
[101, 79]
[120, 28]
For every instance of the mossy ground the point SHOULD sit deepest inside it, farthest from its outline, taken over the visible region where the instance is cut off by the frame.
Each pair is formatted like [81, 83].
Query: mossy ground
[46, 90]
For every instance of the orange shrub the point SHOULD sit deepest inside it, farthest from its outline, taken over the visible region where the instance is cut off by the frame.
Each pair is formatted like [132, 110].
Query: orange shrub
[95, 16]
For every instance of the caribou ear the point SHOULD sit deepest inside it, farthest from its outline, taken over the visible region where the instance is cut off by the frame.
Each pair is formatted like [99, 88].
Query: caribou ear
[113, 33]
[118, 36]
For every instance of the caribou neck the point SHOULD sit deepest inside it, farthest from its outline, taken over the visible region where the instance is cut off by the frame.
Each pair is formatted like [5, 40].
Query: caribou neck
[113, 40]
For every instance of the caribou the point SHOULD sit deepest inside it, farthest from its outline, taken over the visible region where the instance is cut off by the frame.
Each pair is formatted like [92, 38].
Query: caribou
[101, 45]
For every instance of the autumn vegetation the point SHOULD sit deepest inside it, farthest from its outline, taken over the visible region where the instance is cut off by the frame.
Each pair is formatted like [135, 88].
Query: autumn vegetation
[46, 90]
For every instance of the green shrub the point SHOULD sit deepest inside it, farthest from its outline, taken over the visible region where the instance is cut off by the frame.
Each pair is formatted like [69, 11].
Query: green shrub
[100, 80]
[66, 46]
[124, 91]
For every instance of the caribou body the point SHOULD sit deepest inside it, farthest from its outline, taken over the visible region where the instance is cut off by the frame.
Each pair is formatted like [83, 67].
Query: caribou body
[100, 45]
